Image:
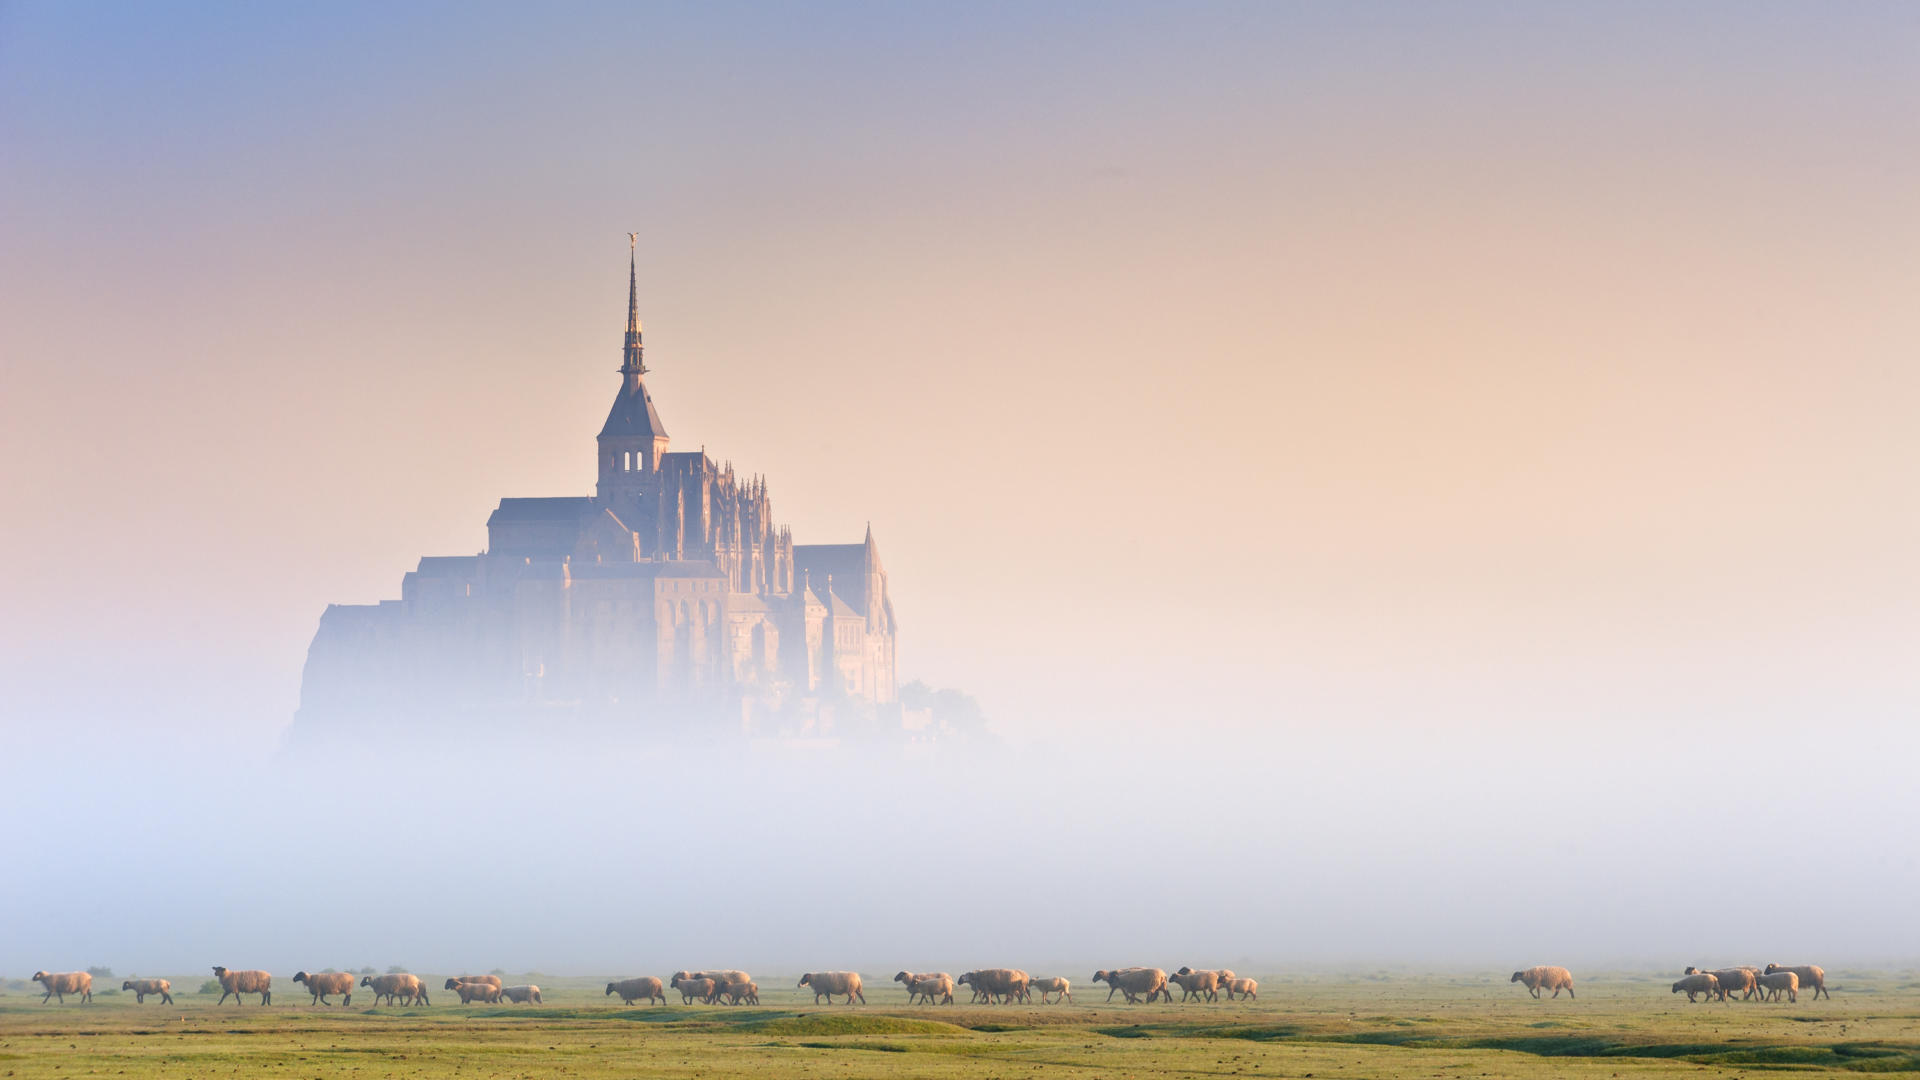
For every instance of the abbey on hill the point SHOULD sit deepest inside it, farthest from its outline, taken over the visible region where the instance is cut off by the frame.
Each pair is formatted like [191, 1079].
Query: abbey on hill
[667, 597]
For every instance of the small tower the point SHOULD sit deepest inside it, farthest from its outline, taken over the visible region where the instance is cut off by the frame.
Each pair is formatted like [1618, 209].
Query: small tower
[633, 439]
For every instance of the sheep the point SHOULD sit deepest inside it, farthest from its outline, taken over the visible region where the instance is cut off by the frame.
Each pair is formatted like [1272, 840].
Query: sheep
[61, 983]
[719, 977]
[1733, 980]
[1247, 989]
[1201, 984]
[243, 982]
[1009, 984]
[632, 990]
[142, 987]
[322, 983]
[694, 988]
[1773, 982]
[828, 983]
[1810, 975]
[1135, 981]
[1537, 979]
[521, 995]
[471, 992]
[735, 993]
[454, 983]
[1054, 985]
[1700, 982]
[396, 986]
[930, 985]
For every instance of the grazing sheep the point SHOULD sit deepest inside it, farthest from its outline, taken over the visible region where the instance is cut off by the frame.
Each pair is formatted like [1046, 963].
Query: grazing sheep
[1054, 985]
[1247, 989]
[828, 983]
[322, 983]
[1810, 976]
[1009, 984]
[1537, 979]
[142, 987]
[691, 989]
[521, 995]
[471, 992]
[396, 986]
[1700, 982]
[1201, 984]
[243, 982]
[61, 983]
[1786, 979]
[1134, 982]
[735, 993]
[632, 990]
[930, 985]
[1733, 980]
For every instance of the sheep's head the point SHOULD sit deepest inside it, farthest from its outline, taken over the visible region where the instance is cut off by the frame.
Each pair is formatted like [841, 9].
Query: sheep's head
[219, 972]
[1771, 968]
[39, 976]
[1517, 976]
[902, 977]
[807, 978]
[128, 985]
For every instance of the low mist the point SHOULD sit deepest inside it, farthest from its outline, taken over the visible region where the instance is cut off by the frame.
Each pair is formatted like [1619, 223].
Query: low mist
[1312, 846]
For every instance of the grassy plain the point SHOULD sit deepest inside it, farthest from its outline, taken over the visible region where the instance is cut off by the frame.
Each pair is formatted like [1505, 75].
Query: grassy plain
[1399, 1026]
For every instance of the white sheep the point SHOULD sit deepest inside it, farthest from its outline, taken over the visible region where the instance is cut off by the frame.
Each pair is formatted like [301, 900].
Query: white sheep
[142, 987]
[243, 982]
[61, 983]
[1545, 977]
[1700, 982]
[1785, 980]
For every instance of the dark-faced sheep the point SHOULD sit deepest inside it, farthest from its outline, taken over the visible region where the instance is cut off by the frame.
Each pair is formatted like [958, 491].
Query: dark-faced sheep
[1135, 983]
[322, 983]
[827, 984]
[1775, 983]
[692, 989]
[142, 987]
[1700, 982]
[522, 995]
[61, 983]
[632, 990]
[490, 980]
[470, 992]
[243, 982]
[929, 985]
[1004, 984]
[1810, 976]
[719, 977]
[397, 986]
[1201, 984]
[1541, 978]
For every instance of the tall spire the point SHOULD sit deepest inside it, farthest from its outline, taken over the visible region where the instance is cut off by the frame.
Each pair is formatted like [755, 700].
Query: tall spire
[631, 363]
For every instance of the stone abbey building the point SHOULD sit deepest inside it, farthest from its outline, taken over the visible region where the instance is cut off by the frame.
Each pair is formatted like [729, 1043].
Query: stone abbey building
[668, 597]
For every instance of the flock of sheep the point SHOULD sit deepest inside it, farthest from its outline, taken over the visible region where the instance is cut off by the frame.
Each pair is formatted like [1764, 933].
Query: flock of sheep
[1769, 982]
[1747, 981]
[989, 985]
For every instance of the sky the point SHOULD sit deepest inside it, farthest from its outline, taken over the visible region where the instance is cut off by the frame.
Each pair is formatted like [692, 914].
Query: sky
[1494, 416]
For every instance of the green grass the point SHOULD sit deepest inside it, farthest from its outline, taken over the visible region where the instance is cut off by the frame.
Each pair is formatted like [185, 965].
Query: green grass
[1401, 1027]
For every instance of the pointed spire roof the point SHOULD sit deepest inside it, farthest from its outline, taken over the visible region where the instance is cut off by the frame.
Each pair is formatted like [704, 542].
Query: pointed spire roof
[633, 413]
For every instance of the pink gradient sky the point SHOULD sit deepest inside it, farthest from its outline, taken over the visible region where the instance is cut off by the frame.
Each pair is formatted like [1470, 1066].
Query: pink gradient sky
[1250, 366]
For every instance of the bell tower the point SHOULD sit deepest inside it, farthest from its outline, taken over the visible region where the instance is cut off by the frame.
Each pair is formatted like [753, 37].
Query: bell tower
[633, 439]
